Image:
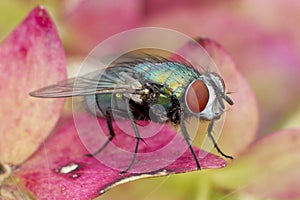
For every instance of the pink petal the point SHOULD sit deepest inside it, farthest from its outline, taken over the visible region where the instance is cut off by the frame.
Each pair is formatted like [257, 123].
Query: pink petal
[269, 169]
[61, 170]
[31, 57]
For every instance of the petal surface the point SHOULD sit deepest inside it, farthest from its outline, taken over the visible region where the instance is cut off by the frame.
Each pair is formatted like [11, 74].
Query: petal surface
[30, 58]
[60, 169]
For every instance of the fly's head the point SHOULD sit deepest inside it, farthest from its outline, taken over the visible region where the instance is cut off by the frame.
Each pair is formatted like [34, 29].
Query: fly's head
[205, 96]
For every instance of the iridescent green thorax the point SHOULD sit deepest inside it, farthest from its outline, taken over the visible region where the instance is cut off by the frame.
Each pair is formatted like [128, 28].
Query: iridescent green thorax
[174, 76]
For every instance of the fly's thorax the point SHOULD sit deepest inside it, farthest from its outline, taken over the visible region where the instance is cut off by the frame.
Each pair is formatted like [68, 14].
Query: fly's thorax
[204, 96]
[172, 75]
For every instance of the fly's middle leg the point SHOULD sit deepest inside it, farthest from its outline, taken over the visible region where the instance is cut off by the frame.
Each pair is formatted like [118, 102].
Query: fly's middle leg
[178, 118]
[112, 134]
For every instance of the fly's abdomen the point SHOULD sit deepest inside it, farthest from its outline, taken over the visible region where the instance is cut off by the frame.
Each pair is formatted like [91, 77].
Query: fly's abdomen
[99, 104]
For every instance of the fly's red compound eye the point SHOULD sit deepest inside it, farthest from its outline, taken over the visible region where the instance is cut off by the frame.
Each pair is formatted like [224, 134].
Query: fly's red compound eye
[197, 96]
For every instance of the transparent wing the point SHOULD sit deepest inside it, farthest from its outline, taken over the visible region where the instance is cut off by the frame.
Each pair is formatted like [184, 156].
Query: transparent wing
[120, 77]
[117, 79]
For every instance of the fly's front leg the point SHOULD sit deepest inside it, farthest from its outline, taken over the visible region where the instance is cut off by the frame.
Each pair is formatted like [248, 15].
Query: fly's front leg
[178, 117]
[137, 135]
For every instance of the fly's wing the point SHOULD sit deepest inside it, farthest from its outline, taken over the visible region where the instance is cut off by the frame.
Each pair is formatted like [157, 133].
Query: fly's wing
[117, 79]
[120, 77]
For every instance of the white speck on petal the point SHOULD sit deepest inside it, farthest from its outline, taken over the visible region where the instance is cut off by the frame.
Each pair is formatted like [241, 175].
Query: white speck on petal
[75, 176]
[68, 168]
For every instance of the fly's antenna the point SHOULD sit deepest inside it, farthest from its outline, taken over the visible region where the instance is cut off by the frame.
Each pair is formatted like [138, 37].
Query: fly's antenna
[228, 99]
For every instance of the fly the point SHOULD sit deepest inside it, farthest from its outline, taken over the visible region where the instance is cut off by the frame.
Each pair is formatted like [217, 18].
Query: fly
[132, 89]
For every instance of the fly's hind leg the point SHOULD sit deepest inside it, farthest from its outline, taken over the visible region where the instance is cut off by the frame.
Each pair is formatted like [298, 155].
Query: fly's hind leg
[108, 118]
[187, 139]
[137, 136]
[209, 132]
